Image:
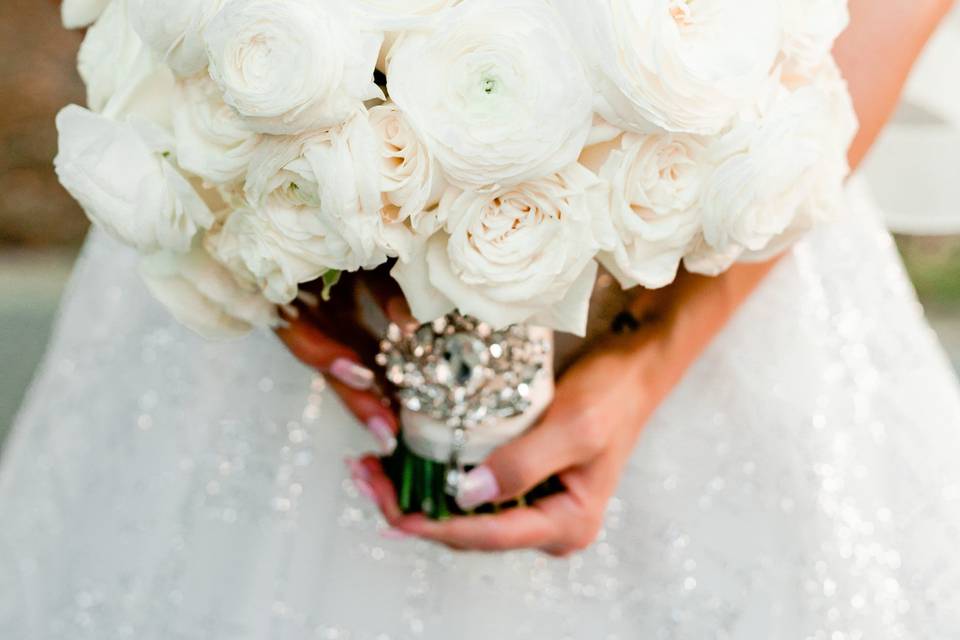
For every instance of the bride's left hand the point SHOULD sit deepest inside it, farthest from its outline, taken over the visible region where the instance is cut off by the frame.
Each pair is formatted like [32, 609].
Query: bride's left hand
[585, 439]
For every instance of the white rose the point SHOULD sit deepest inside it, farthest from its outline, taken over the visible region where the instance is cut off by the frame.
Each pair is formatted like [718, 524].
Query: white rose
[707, 261]
[212, 142]
[496, 91]
[174, 30]
[411, 181]
[685, 66]
[120, 174]
[768, 166]
[825, 200]
[516, 254]
[203, 295]
[654, 199]
[291, 66]
[319, 193]
[77, 14]
[812, 27]
[270, 249]
[120, 73]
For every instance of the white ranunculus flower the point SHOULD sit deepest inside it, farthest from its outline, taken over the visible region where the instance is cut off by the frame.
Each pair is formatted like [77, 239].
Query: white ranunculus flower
[812, 27]
[120, 174]
[77, 14]
[290, 66]
[203, 295]
[655, 183]
[515, 254]
[121, 74]
[174, 30]
[212, 142]
[411, 181]
[767, 166]
[399, 14]
[319, 194]
[273, 248]
[680, 65]
[394, 17]
[496, 91]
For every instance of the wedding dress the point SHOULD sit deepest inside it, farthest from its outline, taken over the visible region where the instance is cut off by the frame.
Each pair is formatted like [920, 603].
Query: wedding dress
[801, 482]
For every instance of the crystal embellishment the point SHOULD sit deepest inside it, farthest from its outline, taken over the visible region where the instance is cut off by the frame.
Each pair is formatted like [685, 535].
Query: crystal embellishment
[462, 372]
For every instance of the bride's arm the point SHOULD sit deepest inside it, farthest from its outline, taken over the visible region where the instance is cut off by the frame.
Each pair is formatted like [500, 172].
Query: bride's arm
[604, 401]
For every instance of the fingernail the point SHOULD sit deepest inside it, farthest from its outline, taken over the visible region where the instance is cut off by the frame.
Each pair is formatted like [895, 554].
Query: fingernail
[309, 299]
[394, 534]
[352, 374]
[365, 489]
[356, 469]
[381, 430]
[476, 488]
[360, 477]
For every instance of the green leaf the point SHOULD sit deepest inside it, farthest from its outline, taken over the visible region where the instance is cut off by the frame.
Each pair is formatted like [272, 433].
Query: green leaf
[330, 278]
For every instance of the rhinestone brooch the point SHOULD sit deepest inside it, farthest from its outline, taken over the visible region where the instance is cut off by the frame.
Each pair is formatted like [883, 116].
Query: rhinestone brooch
[462, 373]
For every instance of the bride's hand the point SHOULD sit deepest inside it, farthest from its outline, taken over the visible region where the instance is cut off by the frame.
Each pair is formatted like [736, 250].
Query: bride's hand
[588, 434]
[331, 337]
[585, 439]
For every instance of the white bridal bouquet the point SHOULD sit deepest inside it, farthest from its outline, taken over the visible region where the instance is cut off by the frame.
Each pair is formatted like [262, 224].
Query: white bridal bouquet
[495, 152]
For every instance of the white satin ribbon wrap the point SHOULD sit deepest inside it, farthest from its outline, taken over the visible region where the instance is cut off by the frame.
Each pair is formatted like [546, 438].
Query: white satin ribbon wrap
[433, 440]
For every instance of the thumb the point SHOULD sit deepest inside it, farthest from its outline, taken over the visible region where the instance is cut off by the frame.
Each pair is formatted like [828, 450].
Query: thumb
[554, 445]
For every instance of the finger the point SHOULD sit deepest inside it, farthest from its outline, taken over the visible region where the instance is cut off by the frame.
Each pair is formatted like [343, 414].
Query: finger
[371, 410]
[316, 349]
[579, 525]
[340, 316]
[514, 529]
[370, 479]
[582, 505]
[382, 287]
[562, 440]
[398, 312]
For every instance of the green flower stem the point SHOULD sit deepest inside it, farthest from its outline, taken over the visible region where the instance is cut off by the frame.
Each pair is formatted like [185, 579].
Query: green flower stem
[406, 483]
[421, 487]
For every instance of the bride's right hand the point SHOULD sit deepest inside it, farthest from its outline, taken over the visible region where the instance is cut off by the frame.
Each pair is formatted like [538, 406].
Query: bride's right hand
[330, 337]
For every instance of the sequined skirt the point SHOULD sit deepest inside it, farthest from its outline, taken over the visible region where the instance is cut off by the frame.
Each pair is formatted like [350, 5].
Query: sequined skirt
[800, 483]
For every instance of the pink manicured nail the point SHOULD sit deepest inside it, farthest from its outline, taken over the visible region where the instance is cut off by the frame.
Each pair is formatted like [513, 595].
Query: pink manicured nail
[361, 476]
[309, 299]
[365, 489]
[352, 374]
[381, 430]
[476, 488]
[356, 469]
[394, 534]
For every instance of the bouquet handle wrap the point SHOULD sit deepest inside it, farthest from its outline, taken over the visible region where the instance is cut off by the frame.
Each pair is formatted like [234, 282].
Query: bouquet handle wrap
[465, 389]
[434, 440]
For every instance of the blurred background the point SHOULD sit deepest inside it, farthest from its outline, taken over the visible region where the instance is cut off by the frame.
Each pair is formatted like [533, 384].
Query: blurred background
[41, 228]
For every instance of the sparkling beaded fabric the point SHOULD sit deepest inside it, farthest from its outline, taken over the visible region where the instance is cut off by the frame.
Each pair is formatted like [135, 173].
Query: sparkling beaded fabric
[801, 483]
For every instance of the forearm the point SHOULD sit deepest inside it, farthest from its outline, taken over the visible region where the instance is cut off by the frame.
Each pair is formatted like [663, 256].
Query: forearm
[876, 54]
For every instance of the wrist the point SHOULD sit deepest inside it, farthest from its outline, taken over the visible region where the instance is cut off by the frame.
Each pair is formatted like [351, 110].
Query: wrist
[679, 322]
